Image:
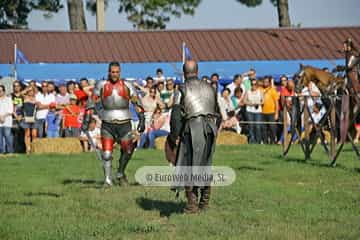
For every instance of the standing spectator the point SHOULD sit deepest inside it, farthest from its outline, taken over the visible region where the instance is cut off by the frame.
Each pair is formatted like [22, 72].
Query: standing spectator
[236, 83]
[248, 77]
[227, 111]
[18, 131]
[28, 123]
[270, 111]
[287, 90]
[70, 85]
[283, 83]
[62, 99]
[146, 89]
[158, 121]
[43, 100]
[238, 99]
[160, 87]
[150, 102]
[357, 128]
[239, 106]
[52, 122]
[313, 94]
[205, 78]
[34, 84]
[94, 133]
[254, 100]
[167, 95]
[215, 79]
[6, 112]
[81, 91]
[71, 114]
[51, 88]
[159, 75]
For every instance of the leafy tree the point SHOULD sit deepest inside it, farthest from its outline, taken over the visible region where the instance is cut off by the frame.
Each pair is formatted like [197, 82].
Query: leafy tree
[282, 9]
[151, 14]
[14, 13]
[76, 14]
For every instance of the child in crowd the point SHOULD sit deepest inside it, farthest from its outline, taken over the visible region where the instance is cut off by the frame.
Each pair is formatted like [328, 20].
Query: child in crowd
[52, 122]
[71, 115]
[94, 133]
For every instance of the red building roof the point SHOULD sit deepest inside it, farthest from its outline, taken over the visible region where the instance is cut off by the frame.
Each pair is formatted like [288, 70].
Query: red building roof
[165, 46]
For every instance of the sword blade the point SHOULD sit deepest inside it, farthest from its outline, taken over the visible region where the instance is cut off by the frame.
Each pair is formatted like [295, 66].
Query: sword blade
[90, 140]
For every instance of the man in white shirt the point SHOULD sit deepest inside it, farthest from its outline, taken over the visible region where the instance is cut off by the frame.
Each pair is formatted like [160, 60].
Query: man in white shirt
[237, 82]
[43, 101]
[6, 111]
[312, 94]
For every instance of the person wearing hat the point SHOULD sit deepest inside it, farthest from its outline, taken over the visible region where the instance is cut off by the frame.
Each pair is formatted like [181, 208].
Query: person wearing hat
[52, 124]
[71, 116]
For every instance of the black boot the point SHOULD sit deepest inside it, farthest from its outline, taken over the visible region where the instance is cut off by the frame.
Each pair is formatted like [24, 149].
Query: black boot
[123, 161]
[204, 198]
[191, 206]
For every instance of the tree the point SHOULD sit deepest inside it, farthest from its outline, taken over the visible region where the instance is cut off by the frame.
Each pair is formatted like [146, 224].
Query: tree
[282, 9]
[76, 15]
[144, 14]
[152, 14]
[14, 13]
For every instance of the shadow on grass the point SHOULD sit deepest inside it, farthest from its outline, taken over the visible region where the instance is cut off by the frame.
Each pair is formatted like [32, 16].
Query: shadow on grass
[319, 164]
[43, 194]
[81, 181]
[85, 183]
[19, 203]
[250, 168]
[166, 208]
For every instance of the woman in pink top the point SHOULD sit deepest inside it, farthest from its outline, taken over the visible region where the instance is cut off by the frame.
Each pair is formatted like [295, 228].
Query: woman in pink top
[158, 121]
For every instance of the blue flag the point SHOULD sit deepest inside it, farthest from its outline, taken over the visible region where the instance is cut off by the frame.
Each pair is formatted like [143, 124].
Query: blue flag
[187, 54]
[20, 57]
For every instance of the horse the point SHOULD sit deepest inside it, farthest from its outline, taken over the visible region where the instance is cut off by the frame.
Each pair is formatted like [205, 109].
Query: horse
[325, 81]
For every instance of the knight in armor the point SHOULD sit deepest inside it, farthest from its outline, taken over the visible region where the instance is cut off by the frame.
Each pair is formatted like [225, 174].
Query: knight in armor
[194, 123]
[115, 95]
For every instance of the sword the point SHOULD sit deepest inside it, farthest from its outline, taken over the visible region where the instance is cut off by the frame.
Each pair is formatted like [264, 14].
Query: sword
[90, 140]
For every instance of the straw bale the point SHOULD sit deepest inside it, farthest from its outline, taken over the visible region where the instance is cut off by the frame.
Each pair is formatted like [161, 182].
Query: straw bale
[56, 145]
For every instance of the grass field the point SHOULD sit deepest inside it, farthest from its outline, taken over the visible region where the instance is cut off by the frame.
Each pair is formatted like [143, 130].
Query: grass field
[60, 197]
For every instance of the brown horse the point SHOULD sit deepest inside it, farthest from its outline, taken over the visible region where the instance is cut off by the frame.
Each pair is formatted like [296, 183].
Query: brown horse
[325, 81]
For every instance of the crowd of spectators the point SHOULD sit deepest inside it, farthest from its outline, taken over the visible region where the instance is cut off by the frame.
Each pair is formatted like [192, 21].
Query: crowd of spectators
[249, 105]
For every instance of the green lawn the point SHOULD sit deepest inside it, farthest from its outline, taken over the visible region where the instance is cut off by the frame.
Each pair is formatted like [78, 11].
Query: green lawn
[60, 197]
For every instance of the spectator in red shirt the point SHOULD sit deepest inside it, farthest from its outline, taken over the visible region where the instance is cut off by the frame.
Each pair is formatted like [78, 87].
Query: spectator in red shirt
[81, 93]
[71, 115]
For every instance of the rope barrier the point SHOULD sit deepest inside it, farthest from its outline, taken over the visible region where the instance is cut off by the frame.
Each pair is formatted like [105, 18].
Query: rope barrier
[259, 122]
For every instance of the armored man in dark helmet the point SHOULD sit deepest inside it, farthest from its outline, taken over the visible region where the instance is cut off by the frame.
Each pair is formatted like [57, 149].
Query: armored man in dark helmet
[195, 119]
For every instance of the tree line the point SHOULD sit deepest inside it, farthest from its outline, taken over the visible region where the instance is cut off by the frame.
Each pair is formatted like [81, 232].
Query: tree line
[143, 14]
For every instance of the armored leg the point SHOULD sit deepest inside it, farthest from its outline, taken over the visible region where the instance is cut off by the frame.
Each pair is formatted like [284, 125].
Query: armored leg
[127, 149]
[204, 198]
[107, 144]
[107, 173]
[191, 205]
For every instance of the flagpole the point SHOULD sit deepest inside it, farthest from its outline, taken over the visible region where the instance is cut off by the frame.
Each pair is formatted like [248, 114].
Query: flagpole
[183, 57]
[15, 72]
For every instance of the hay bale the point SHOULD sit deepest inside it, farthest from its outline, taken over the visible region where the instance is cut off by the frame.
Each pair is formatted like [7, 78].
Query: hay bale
[160, 143]
[326, 133]
[231, 138]
[56, 145]
[224, 138]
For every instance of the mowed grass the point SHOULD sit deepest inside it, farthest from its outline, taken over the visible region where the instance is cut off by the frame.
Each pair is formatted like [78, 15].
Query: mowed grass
[60, 197]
